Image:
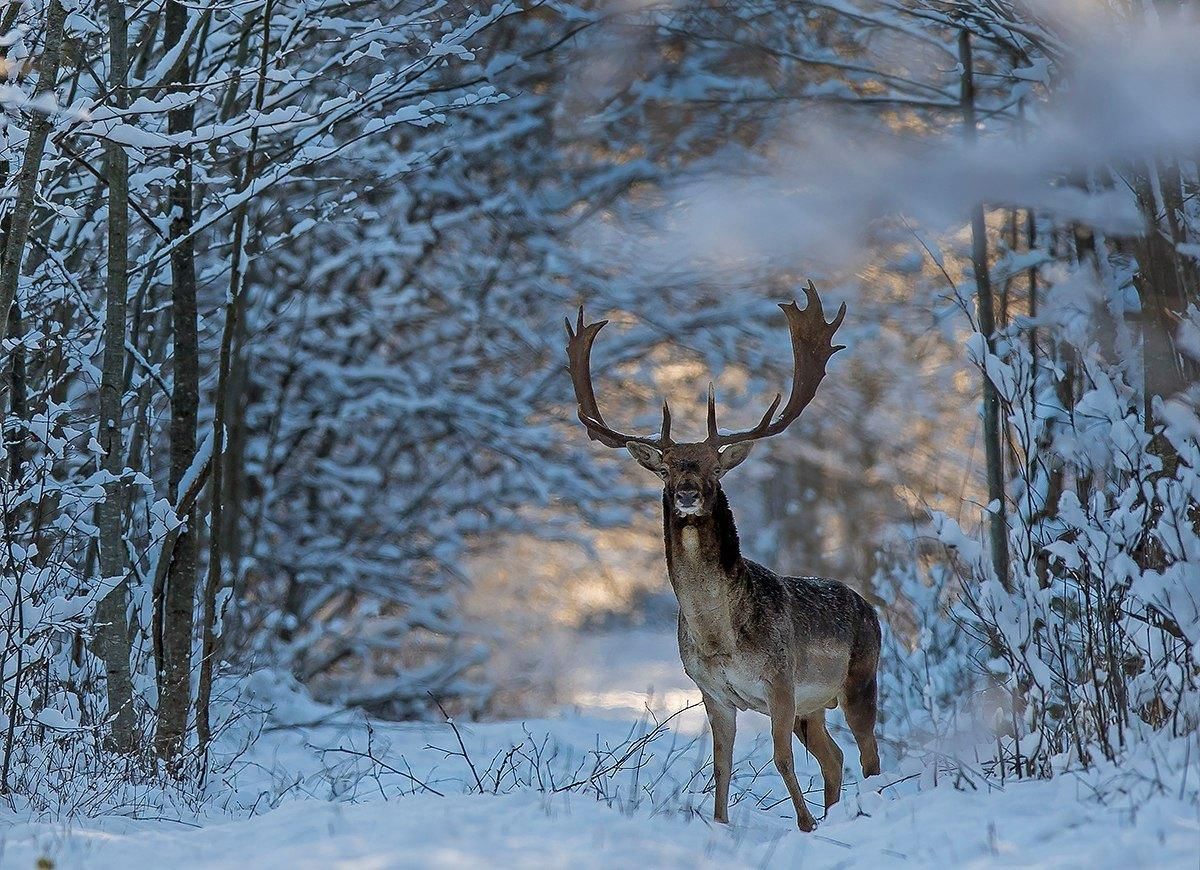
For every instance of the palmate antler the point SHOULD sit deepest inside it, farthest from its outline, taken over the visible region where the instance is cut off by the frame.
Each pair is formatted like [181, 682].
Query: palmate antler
[812, 347]
[579, 363]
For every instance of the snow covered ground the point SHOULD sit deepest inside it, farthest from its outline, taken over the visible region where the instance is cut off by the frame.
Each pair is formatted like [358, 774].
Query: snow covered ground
[598, 785]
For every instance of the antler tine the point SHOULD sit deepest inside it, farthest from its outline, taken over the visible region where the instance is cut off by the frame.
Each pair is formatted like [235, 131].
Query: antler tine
[579, 364]
[812, 347]
[712, 411]
[766, 418]
[714, 435]
[812, 299]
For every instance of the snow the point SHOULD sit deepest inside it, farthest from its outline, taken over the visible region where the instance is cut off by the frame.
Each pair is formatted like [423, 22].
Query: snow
[298, 799]
[528, 830]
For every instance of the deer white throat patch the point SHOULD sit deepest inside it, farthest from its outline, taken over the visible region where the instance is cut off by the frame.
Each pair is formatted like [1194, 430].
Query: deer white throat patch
[691, 542]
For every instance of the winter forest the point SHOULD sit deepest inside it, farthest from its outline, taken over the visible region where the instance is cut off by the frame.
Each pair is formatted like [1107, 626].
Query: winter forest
[308, 561]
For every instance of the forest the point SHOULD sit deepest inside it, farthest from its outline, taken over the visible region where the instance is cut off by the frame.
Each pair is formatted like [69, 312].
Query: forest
[298, 517]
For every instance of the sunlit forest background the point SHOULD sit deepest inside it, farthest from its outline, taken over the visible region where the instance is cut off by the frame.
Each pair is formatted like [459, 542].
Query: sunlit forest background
[282, 288]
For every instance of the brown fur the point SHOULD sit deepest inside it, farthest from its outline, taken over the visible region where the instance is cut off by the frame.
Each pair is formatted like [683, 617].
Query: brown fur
[787, 647]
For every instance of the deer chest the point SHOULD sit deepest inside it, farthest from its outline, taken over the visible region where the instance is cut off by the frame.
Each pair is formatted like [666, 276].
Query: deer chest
[722, 676]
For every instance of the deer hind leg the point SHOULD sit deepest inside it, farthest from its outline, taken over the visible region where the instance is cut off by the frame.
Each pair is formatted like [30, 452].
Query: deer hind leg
[815, 736]
[781, 706]
[860, 703]
[723, 721]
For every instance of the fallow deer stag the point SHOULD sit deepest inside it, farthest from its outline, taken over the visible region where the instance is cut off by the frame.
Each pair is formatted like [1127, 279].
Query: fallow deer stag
[788, 647]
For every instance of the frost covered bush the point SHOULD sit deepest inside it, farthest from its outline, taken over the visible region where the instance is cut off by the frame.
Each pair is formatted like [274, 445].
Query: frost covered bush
[1094, 634]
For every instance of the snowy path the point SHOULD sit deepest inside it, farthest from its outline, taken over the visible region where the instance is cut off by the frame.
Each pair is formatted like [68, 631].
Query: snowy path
[340, 809]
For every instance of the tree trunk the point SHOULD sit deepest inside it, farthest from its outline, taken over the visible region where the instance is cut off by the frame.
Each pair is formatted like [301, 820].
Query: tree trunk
[39, 130]
[18, 398]
[233, 310]
[14, 619]
[985, 304]
[175, 598]
[235, 454]
[1166, 284]
[112, 635]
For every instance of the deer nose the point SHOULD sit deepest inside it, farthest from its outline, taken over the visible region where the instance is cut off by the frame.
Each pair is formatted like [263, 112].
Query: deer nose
[687, 498]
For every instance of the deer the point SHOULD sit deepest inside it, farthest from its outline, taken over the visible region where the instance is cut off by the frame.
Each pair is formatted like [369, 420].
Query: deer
[789, 648]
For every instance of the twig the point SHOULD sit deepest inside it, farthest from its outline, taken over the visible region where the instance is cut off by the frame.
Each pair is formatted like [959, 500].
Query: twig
[360, 754]
[458, 736]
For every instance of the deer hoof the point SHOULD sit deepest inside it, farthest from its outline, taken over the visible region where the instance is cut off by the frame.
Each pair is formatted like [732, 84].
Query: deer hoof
[806, 823]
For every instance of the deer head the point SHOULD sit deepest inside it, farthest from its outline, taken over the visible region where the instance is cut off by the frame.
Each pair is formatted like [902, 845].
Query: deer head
[691, 471]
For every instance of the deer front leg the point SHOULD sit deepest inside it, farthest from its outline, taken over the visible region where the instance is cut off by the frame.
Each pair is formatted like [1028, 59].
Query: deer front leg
[781, 705]
[723, 721]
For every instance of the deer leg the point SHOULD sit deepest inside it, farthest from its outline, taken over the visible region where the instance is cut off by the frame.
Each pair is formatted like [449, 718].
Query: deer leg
[781, 706]
[815, 736]
[723, 721]
[860, 704]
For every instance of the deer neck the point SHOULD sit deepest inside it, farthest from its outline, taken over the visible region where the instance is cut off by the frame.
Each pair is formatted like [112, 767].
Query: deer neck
[703, 557]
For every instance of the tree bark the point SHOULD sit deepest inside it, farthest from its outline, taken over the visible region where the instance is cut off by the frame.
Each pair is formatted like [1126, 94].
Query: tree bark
[14, 619]
[112, 635]
[174, 597]
[985, 305]
[1166, 283]
[233, 310]
[18, 398]
[39, 130]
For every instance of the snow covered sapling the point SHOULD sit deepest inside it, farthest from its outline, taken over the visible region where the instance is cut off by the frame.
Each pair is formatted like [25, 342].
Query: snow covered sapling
[787, 647]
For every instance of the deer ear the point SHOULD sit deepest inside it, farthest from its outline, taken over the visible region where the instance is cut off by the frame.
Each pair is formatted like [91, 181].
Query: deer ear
[734, 455]
[647, 457]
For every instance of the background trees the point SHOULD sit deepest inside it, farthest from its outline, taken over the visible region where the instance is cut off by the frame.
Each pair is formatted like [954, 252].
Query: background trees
[282, 367]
